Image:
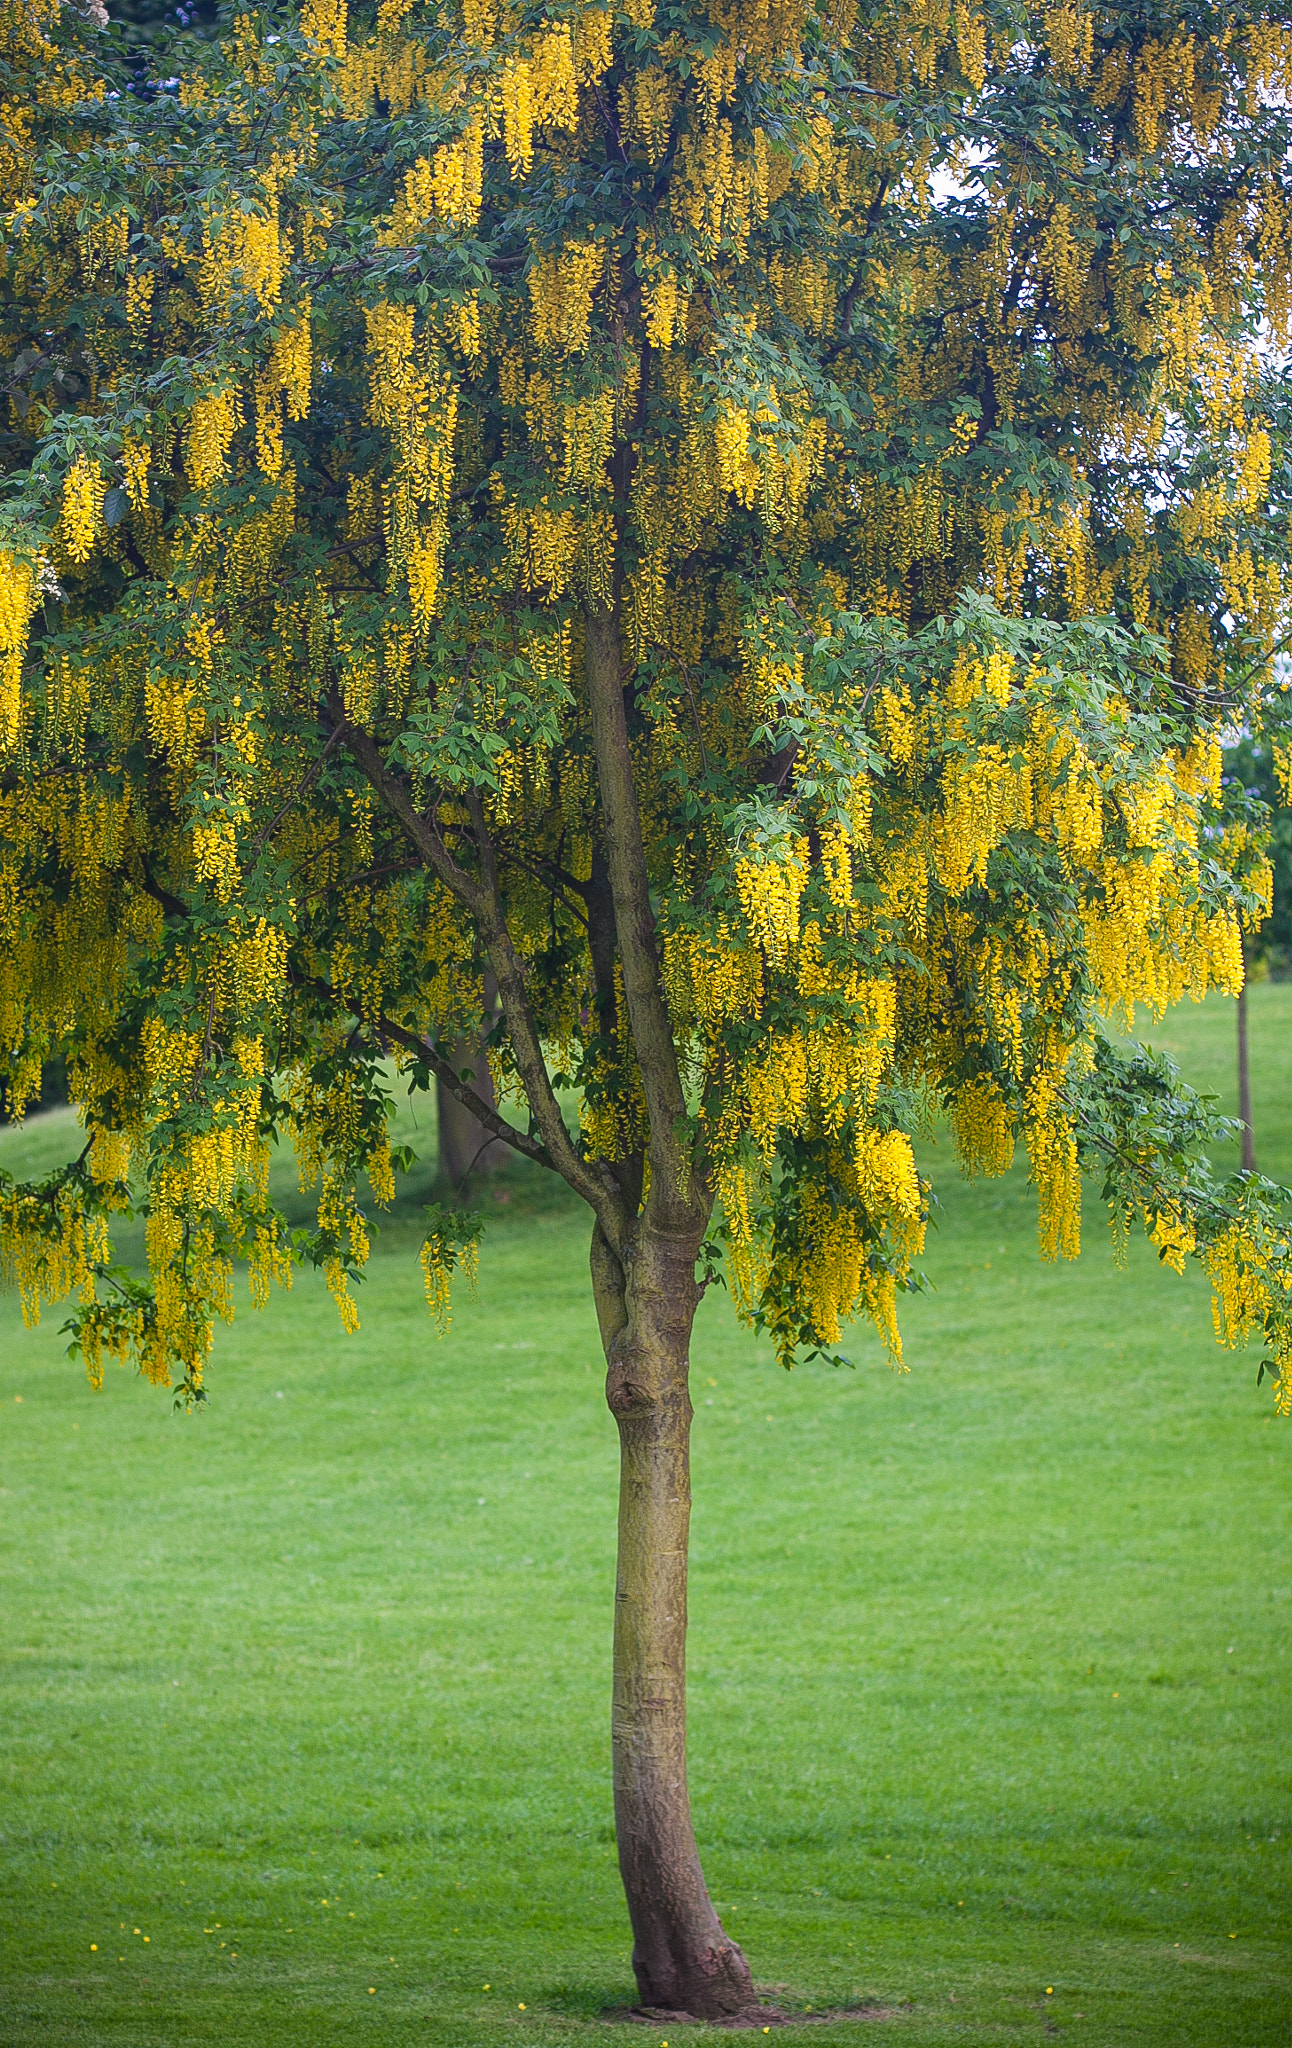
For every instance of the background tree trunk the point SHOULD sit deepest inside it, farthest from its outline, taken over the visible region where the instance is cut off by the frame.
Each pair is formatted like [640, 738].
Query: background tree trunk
[1245, 1087]
[465, 1145]
[682, 1959]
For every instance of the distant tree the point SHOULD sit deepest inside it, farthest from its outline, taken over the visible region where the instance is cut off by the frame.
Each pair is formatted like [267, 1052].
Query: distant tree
[467, 1149]
[737, 522]
[53, 1085]
[1254, 799]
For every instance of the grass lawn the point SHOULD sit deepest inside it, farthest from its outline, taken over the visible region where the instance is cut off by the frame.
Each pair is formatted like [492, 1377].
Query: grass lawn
[304, 1723]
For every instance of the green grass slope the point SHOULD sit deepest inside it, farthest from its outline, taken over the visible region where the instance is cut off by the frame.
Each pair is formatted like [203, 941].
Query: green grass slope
[303, 1728]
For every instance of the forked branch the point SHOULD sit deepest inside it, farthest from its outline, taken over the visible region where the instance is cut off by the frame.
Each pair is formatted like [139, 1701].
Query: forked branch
[444, 1071]
[483, 901]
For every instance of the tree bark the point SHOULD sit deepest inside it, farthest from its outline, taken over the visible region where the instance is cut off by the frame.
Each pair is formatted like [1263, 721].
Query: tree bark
[1245, 1087]
[646, 1296]
[682, 1959]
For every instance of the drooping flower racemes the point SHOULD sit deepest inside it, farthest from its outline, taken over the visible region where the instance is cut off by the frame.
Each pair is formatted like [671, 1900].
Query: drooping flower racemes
[883, 386]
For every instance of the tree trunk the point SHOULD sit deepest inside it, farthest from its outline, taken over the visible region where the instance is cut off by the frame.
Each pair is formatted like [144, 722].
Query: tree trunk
[682, 1959]
[1245, 1087]
[465, 1145]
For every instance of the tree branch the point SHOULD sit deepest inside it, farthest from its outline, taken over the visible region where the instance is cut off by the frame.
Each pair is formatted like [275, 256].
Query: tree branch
[671, 1194]
[601, 1193]
[873, 212]
[444, 1070]
[483, 902]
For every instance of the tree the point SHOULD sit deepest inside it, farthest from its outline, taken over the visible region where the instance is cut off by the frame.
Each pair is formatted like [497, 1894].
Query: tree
[466, 1148]
[728, 533]
[1253, 801]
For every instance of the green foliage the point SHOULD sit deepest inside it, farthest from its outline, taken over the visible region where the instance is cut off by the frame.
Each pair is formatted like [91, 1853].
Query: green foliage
[715, 550]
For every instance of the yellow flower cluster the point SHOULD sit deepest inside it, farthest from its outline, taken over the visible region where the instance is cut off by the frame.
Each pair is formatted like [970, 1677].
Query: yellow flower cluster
[135, 459]
[215, 855]
[332, 1144]
[737, 471]
[803, 288]
[647, 103]
[338, 1214]
[204, 1175]
[1052, 1152]
[561, 287]
[192, 1283]
[213, 422]
[447, 188]
[984, 797]
[171, 1058]
[770, 891]
[323, 22]
[516, 87]
[543, 544]
[838, 1278]
[983, 1128]
[829, 1270]
[415, 399]
[175, 710]
[84, 490]
[219, 1159]
[287, 377]
[438, 1262]
[44, 1266]
[711, 982]
[612, 1112]
[973, 677]
[140, 285]
[259, 966]
[799, 1079]
[110, 1153]
[292, 362]
[1247, 1266]
[245, 250]
[457, 178]
[18, 597]
[665, 309]
[716, 191]
[1070, 32]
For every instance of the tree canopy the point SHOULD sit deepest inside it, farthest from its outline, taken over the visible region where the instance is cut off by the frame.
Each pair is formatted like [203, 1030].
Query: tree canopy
[715, 542]
[370, 377]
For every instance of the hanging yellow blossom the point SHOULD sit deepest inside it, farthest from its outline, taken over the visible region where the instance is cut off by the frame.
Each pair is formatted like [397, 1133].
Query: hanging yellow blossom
[84, 489]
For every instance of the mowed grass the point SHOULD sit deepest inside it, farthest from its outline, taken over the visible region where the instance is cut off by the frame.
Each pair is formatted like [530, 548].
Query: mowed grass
[304, 1731]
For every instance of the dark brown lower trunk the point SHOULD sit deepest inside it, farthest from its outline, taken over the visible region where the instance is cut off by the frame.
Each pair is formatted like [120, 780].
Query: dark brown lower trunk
[682, 1959]
[1245, 1088]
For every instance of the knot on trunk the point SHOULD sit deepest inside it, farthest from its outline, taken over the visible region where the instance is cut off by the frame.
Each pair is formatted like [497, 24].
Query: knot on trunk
[626, 1396]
